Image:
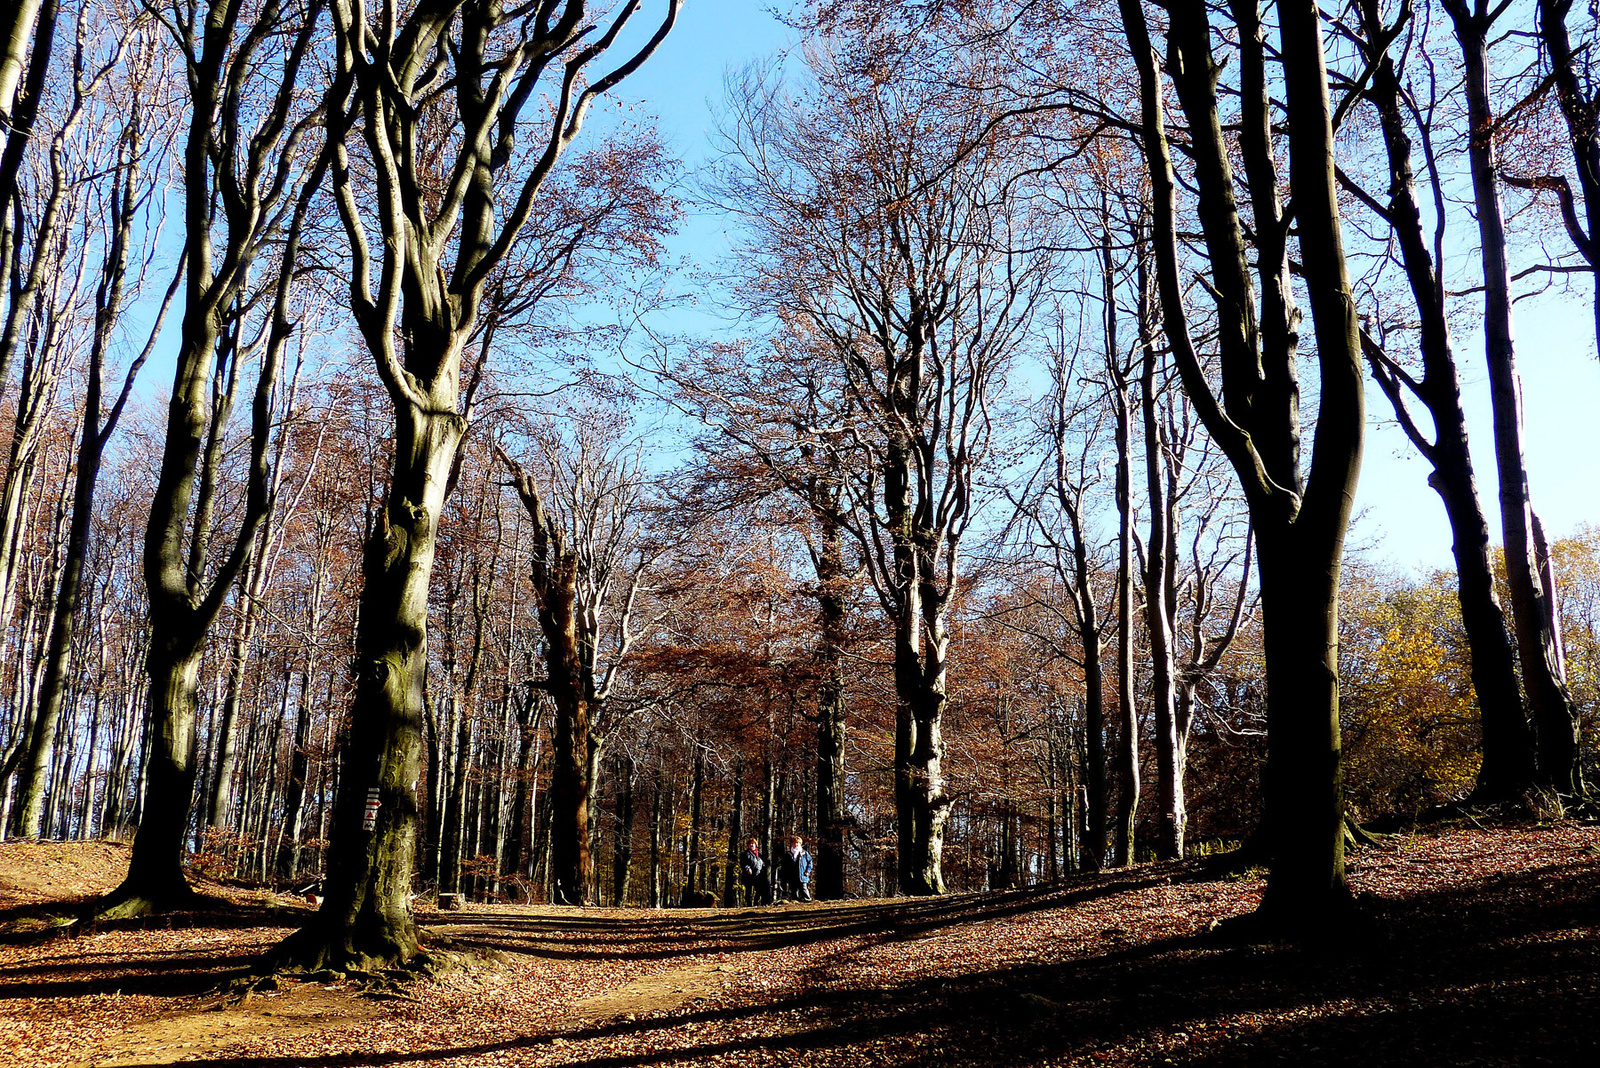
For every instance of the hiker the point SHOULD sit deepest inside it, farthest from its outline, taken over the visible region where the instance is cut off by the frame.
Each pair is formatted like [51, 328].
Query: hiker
[794, 870]
[751, 867]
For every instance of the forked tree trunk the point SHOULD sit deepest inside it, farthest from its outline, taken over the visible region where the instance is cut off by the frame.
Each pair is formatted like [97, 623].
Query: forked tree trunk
[1305, 786]
[1300, 521]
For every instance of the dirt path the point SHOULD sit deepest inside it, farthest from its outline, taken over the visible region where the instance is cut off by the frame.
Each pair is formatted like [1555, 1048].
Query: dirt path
[1485, 950]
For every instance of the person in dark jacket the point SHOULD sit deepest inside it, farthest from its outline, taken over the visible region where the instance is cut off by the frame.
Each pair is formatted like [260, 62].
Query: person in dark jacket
[794, 870]
[751, 868]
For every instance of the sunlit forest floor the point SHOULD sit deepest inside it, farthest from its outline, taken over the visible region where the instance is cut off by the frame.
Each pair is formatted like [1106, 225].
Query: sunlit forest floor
[1481, 947]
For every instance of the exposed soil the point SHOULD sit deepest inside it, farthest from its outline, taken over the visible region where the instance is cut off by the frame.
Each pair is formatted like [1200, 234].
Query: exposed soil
[1479, 947]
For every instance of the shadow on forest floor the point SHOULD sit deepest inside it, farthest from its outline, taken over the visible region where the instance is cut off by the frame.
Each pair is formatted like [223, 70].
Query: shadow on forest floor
[597, 934]
[1495, 968]
[1503, 972]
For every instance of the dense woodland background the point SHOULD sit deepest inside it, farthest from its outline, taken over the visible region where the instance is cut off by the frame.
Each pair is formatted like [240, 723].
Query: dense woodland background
[944, 354]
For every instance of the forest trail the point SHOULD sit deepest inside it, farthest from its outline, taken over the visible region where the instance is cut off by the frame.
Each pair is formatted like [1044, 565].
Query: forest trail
[1486, 951]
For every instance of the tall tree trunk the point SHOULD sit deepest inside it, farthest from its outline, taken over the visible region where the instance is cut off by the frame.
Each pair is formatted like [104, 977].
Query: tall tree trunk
[155, 879]
[521, 831]
[733, 879]
[692, 857]
[622, 851]
[656, 833]
[219, 805]
[1158, 619]
[832, 814]
[1507, 769]
[1127, 757]
[1533, 618]
[569, 798]
[299, 772]
[453, 833]
[365, 919]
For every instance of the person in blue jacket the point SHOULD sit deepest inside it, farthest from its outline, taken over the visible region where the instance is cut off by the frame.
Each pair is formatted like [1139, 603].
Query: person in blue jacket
[794, 870]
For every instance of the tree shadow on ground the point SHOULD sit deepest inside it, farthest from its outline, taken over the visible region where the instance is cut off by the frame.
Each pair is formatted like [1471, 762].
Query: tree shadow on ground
[582, 935]
[1502, 971]
[42, 922]
[156, 974]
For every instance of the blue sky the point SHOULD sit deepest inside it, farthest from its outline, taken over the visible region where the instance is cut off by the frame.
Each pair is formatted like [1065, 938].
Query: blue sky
[1401, 518]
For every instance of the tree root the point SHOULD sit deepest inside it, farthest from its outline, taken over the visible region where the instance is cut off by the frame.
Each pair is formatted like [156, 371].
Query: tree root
[302, 957]
[135, 903]
[1356, 836]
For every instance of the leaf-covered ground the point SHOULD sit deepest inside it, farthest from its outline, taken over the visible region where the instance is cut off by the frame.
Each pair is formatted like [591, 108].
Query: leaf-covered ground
[1483, 948]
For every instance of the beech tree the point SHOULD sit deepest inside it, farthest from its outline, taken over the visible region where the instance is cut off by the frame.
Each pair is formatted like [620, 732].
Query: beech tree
[1300, 513]
[586, 502]
[435, 100]
[1507, 769]
[884, 218]
[1062, 519]
[1528, 576]
[250, 171]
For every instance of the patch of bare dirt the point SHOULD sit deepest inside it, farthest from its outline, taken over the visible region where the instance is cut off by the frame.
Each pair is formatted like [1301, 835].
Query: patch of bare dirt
[1480, 948]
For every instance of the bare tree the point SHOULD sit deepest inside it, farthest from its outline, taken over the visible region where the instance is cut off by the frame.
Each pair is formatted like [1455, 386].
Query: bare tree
[1507, 769]
[249, 172]
[889, 219]
[1300, 514]
[128, 195]
[590, 556]
[1528, 575]
[437, 100]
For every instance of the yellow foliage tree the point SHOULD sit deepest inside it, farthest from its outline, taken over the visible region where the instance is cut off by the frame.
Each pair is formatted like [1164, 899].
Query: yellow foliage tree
[1410, 719]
